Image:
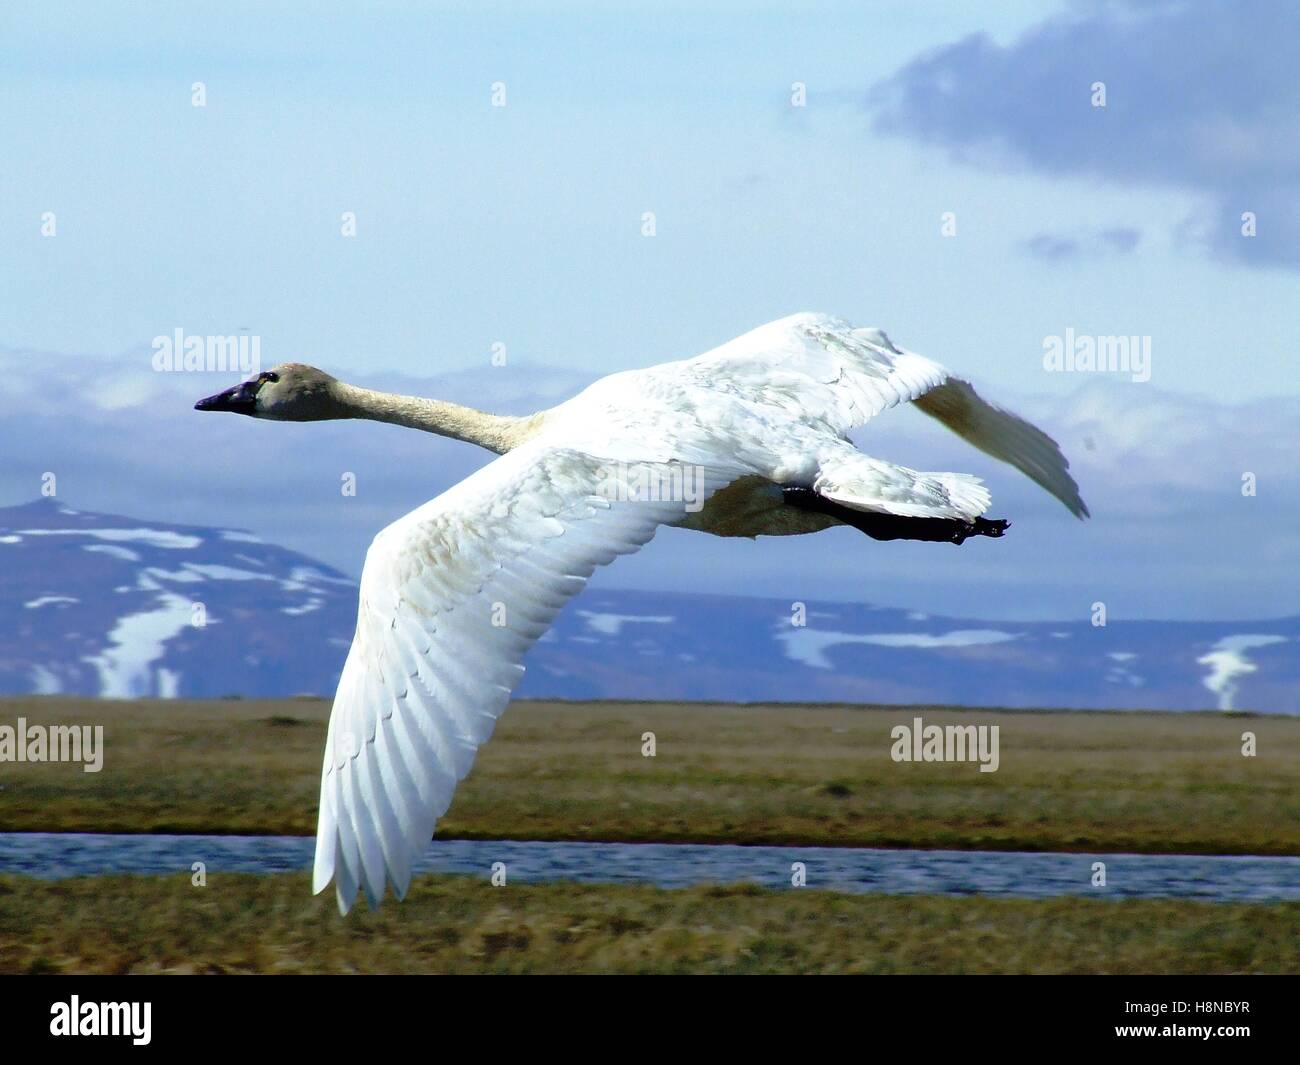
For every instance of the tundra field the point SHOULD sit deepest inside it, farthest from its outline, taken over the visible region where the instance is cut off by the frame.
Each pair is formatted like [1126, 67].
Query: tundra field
[247, 923]
[770, 774]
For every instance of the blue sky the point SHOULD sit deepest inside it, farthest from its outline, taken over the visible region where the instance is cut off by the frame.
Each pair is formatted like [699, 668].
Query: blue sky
[521, 225]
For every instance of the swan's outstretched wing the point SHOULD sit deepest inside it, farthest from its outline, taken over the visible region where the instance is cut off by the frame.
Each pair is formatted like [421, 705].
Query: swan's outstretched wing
[823, 369]
[1005, 436]
[452, 595]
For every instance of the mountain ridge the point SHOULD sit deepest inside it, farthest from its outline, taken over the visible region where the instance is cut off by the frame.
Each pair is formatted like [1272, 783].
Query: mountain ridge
[109, 605]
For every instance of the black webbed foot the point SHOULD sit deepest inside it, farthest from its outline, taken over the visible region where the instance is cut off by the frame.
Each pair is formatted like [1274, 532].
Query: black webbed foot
[896, 527]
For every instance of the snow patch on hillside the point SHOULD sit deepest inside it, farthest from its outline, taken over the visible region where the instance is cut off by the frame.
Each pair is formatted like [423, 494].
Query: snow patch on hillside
[612, 624]
[1228, 662]
[809, 646]
[48, 600]
[153, 537]
[112, 550]
[136, 642]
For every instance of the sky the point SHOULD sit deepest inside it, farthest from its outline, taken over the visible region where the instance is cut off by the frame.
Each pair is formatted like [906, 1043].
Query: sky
[949, 177]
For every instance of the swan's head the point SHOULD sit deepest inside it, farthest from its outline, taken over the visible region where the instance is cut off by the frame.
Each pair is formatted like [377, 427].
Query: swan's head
[290, 392]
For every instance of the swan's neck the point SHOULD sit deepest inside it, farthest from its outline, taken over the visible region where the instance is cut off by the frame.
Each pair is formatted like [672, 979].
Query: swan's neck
[494, 432]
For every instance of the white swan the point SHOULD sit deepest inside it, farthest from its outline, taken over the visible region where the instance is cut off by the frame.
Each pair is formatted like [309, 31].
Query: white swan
[747, 439]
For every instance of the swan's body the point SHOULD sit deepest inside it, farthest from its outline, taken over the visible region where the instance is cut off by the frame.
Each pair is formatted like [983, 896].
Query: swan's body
[752, 437]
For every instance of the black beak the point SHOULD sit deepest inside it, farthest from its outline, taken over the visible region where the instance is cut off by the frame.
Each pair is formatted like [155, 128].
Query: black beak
[242, 399]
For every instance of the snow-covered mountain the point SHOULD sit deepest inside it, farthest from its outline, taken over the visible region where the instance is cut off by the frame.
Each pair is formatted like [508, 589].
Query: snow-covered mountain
[670, 646]
[104, 605]
[114, 606]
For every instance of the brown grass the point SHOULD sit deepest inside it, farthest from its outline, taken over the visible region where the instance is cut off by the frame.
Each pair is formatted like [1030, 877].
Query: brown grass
[1139, 782]
[272, 924]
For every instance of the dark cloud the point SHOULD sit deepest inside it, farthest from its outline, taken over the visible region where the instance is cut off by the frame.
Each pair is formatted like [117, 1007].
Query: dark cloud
[1054, 246]
[1120, 239]
[1049, 246]
[1200, 96]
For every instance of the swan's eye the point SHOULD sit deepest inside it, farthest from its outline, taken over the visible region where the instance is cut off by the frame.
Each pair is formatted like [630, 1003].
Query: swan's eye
[268, 376]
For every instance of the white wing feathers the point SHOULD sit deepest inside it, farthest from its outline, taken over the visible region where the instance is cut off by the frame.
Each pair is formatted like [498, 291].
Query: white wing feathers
[864, 483]
[818, 367]
[821, 368]
[452, 595]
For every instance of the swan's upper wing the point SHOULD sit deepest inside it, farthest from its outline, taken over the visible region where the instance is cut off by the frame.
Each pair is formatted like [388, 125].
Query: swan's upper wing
[817, 367]
[452, 595]
[822, 368]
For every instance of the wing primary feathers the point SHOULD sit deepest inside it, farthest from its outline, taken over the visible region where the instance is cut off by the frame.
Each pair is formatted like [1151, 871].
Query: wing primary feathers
[1005, 436]
[451, 597]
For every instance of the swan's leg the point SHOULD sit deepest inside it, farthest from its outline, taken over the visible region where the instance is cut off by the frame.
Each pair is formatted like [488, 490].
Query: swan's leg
[892, 526]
